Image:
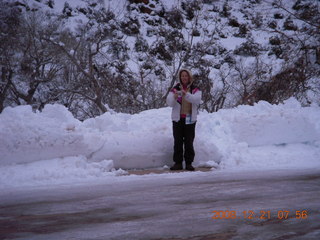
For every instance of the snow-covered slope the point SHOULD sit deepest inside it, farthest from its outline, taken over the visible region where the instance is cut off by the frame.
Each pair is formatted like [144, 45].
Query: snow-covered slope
[239, 51]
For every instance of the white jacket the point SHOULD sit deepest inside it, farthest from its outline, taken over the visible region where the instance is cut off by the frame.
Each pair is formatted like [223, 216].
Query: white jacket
[193, 98]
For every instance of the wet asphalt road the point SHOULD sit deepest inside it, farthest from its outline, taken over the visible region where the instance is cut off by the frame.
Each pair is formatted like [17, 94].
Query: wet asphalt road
[253, 205]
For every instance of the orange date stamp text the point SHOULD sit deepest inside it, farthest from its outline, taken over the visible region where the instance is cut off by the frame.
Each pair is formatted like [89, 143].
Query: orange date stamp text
[260, 214]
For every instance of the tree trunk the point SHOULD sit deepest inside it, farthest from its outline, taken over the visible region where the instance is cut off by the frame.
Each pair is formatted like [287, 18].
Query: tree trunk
[318, 55]
[6, 77]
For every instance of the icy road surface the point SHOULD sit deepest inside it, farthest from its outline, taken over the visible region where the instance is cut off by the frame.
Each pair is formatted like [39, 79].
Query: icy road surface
[169, 206]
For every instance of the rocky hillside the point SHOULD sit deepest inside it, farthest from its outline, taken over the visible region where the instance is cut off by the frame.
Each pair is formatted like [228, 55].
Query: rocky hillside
[98, 56]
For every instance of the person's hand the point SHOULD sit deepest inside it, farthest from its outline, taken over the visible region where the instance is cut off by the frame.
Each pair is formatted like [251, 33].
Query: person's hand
[176, 95]
[183, 92]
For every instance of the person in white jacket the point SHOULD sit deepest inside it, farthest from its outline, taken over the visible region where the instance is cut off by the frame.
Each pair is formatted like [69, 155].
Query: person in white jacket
[184, 98]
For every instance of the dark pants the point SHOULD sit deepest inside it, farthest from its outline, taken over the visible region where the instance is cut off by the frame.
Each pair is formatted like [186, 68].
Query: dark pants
[183, 135]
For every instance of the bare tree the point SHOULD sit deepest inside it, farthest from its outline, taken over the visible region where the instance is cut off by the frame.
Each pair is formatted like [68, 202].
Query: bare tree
[29, 63]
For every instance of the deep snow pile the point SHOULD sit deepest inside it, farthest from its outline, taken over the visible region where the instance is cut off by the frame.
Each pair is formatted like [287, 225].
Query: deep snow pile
[53, 147]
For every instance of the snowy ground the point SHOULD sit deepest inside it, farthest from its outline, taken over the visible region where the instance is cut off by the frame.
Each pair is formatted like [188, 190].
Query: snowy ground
[53, 148]
[65, 179]
[62, 179]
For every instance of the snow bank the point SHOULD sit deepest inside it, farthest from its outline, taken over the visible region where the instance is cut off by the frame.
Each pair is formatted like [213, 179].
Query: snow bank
[262, 136]
[133, 141]
[53, 145]
[28, 137]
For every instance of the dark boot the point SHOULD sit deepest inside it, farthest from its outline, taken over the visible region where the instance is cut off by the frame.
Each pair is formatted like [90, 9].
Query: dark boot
[189, 167]
[176, 166]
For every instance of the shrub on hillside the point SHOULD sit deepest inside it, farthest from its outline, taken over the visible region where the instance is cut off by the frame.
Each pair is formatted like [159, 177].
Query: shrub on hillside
[289, 25]
[274, 40]
[248, 49]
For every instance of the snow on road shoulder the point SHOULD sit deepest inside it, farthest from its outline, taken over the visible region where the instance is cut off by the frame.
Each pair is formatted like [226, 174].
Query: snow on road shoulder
[63, 171]
[51, 147]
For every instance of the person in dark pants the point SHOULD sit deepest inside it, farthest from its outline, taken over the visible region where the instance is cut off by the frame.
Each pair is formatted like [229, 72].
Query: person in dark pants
[184, 98]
